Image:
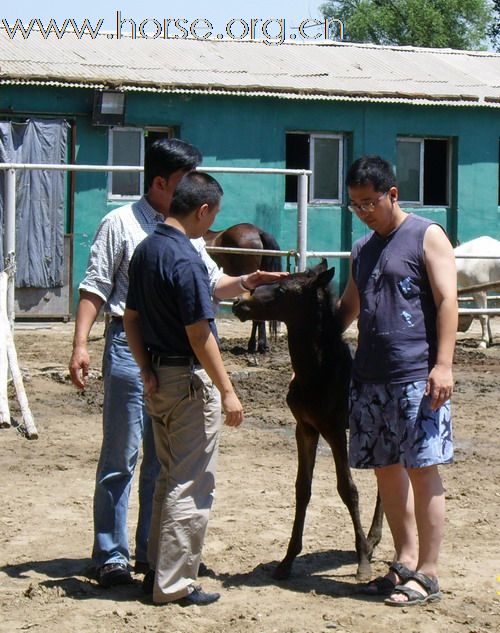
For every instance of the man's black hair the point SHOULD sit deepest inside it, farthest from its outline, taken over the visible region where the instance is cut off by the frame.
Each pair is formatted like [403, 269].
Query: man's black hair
[372, 170]
[194, 190]
[166, 156]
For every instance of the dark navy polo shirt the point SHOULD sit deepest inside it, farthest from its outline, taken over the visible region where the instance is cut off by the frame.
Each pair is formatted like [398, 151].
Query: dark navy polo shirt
[169, 287]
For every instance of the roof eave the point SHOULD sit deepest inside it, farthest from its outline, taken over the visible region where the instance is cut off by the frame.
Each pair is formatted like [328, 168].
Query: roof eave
[263, 91]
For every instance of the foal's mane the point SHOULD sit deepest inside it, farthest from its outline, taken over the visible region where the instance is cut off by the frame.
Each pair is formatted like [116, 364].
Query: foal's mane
[329, 331]
[317, 348]
[322, 324]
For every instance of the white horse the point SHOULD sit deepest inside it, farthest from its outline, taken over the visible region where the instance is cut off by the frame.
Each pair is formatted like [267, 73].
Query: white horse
[471, 272]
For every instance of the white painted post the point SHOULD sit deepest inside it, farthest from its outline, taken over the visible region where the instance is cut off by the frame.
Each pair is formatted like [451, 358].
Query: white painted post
[9, 243]
[29, 424]
[302, 191]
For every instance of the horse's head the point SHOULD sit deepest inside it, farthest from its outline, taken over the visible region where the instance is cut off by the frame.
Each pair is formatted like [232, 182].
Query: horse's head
[283, 300]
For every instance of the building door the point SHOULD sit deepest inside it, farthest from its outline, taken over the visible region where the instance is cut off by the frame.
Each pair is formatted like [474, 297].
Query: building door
[42, 256]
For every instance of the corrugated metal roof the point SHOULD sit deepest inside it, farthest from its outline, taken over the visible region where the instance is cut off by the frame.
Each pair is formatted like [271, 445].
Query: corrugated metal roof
[327, 70]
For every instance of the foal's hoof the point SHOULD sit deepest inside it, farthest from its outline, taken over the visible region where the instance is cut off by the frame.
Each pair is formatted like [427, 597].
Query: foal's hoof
[364, 572]
[253, 361]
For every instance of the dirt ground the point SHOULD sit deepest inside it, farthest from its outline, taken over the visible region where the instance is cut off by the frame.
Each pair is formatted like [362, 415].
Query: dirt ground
[46, 524]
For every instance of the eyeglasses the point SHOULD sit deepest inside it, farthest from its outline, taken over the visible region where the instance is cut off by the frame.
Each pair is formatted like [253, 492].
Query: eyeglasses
[368, 207]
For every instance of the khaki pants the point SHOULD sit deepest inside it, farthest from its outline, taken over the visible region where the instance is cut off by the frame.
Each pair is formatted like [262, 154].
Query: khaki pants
[186, 415]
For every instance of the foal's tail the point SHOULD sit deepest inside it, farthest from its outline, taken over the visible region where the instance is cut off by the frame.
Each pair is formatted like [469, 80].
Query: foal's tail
[271, 263]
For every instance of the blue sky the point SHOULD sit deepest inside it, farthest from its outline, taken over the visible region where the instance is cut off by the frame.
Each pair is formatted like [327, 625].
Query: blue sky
[218, 13]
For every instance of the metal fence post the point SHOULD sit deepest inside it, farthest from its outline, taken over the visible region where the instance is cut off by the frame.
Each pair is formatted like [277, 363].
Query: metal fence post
[9, 243]
[302, 190]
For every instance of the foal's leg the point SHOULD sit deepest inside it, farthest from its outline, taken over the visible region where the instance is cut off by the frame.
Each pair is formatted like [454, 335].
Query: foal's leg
[375, 531]
[252, 348]
[349, 495]
[262, 338]
[307, 442]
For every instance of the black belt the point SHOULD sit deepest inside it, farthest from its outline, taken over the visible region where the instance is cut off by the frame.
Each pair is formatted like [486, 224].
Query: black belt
[165, 360]
[118, 319]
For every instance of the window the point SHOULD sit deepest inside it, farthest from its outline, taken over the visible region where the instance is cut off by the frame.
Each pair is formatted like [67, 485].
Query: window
[127, 146]
[322, 154]
[423, 170]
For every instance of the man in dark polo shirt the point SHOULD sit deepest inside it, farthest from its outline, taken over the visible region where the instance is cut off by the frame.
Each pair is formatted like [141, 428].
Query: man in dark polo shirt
[169, 321]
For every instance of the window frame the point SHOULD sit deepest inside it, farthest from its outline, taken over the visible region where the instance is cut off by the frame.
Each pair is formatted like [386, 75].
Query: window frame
[112, 130]
[169, 130]
[311, 200]
[421, 141]
[330, 201]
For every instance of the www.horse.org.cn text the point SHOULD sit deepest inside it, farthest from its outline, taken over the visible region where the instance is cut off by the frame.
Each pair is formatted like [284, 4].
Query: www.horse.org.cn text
[270, 31]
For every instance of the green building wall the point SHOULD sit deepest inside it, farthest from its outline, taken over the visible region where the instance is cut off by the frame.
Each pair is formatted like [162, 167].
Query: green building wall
[250, 132]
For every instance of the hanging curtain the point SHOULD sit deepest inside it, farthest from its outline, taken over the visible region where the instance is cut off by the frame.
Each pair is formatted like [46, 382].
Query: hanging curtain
[39, 199]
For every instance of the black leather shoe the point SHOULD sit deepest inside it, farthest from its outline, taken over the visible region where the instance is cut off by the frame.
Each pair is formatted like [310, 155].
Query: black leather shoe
[149, 579]
[205, 571]
[113, 574]
[198, 597]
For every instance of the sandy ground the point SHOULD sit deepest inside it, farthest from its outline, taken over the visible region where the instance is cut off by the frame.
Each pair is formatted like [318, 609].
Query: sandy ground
[46, 526]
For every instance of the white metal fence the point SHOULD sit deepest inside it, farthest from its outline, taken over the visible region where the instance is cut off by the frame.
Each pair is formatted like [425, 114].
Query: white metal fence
[301, 254]
[10, 170]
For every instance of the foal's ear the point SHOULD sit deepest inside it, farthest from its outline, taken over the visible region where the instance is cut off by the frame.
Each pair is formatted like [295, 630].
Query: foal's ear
[319, 268]
[324, 278]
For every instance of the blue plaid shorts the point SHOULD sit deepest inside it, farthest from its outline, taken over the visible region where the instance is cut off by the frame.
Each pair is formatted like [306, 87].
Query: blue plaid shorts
[394, 424]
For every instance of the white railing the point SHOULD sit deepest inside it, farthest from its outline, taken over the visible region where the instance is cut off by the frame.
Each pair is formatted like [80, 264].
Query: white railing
[301, 254]
[10, 208]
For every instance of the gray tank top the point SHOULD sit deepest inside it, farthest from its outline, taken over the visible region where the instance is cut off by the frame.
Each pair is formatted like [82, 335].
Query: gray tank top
[397, 321]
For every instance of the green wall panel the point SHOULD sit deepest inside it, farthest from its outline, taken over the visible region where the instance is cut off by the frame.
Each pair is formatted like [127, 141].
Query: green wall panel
[250, 132]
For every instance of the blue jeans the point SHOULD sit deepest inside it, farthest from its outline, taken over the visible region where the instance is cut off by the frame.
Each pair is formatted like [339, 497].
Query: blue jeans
[125, 425]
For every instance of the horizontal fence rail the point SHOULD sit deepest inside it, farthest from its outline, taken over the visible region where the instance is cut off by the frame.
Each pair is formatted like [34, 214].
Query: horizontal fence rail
[471, 298]
[249, 251]
[492, 311]
[139, 168]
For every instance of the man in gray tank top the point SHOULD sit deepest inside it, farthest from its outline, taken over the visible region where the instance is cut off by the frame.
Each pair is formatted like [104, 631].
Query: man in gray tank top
[403, 290]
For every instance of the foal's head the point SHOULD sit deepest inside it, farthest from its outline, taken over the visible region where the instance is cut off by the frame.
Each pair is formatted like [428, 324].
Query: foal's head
[285, 299]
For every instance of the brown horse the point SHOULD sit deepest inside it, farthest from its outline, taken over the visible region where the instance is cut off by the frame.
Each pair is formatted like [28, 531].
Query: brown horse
[247, 236]
[317, 396]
